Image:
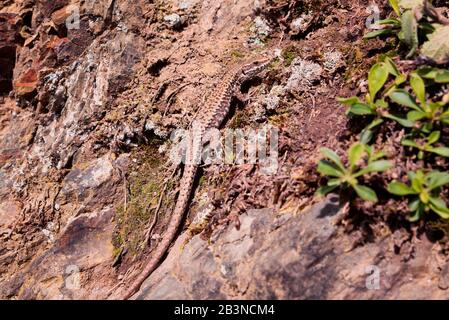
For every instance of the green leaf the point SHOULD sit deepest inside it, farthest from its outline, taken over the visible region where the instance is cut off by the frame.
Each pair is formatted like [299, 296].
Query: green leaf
[409, 31]
[395, 5]
[418, 175]
[376, 166]
[436, 179]
[389, 21]
[349, 101]
[435, 106]
[391, 66]
[378, 33]
[437, 47]
[416, 115]
[381, 104]
[427, 72]
[414, 204]
[418, 87]
[433, 137]
[361, 109]
[334, 182]
[404, 98]
[409, 143]
[400, 79]
[424, 197]
[418, 212]
[417, 185]
[441, 151]
[327, 168]
[366, 136]
[377, 155]
[365, 193]
[374, 123]
[400, 189]
[442, 76]
[377, 77]
[438, 206]
[328, 153]
[322, 191]
[403, 122]
[355, 153]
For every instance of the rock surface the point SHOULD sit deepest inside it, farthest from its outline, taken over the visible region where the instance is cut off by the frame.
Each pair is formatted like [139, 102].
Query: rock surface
[86, 109]
[290, 256]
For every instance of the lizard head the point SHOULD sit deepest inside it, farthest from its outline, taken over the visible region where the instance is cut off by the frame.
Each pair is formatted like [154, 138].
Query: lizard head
[255, 67]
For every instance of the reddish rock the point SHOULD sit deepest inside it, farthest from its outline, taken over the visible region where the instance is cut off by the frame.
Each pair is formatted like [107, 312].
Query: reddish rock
[9, 39]
[45, 9]
[27, 83]
[9, 211]
[60, 16]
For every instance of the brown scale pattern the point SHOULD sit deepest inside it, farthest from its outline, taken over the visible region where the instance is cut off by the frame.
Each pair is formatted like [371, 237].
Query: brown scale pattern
[216, 110]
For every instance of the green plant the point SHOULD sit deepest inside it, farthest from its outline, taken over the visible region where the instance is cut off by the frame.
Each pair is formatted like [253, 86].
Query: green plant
[435, 74]
[343, 177]
[413, 19]
[423, 109]
[374, 105]
[427, 145]
[424, 193]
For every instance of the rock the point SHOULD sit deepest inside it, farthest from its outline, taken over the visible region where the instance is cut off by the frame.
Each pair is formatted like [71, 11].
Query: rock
[9, 212]
[301, 256]
[60, 16]
[261, 28]
[10, 25]
[187, 4]
[93, 176]
[173, 20]
[26, 83]
[89, 107]
[443, 282]
[84, 245]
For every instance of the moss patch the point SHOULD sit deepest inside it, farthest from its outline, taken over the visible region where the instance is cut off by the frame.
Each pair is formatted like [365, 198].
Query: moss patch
[144, 186]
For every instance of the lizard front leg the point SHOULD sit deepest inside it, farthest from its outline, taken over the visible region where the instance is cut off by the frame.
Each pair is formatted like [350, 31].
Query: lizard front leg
[242, 97]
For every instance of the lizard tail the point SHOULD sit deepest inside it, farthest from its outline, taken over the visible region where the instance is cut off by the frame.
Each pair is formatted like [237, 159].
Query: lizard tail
[178, 214]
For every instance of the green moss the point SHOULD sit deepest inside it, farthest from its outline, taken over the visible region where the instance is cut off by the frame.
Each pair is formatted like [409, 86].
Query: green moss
[145, 184]
[288, 56]
[239, 120]
[354, 61]
[235, 54]
[116, 252]
[202, 180]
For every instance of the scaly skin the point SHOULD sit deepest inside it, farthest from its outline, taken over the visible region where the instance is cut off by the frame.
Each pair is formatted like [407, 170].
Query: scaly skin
[213, 115]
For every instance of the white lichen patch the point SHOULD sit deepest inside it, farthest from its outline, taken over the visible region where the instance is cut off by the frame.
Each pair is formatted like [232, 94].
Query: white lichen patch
[300, 25]
[260, 30]
[303, 74]
[274, 97]
[332, 61]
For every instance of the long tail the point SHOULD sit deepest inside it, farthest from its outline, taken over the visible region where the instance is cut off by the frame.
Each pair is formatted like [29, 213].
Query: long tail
[178, 214]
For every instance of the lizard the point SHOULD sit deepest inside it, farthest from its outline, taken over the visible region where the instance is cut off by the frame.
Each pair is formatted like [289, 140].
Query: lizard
[212, 115]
